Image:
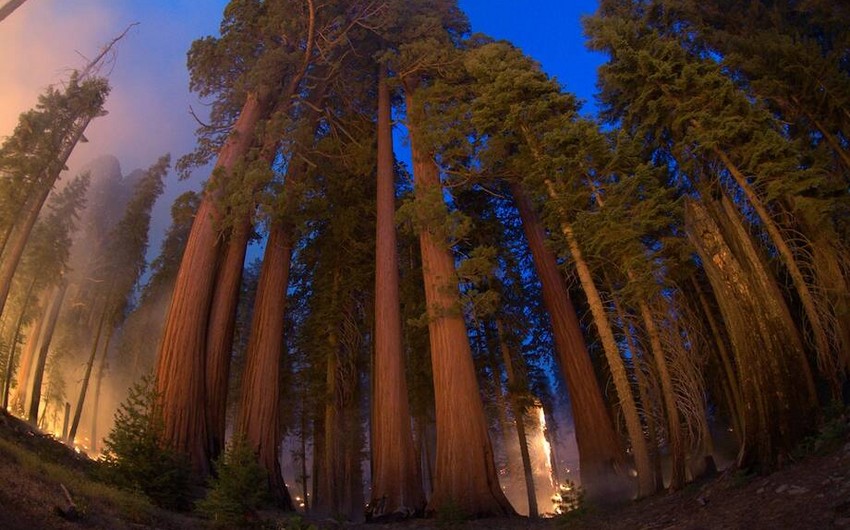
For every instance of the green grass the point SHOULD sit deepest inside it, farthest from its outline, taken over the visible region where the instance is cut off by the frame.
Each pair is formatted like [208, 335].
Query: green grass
[84, 490]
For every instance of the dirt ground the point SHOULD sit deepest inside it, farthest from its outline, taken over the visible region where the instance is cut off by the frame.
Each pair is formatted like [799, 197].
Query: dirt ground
[812, 493]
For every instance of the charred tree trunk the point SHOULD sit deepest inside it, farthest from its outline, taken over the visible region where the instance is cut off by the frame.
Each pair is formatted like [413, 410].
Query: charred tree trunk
[598, 445]
[13, 346]
[396, 479]
[259, 415]
[465, 472]
[44, 348]
[181, 363]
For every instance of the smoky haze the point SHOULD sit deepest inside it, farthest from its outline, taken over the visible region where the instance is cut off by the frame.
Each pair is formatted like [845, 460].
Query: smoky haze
[44, 40]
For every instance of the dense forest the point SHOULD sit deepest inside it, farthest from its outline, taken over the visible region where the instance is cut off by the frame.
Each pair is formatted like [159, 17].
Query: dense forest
[459, 268]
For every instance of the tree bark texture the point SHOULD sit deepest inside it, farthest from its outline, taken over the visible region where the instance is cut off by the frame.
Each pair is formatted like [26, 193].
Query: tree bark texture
[823, 346]
[181, 363]
[598, 444]
[259, 415]
[777, 408]
[222, 326]
[396, 483]
[465, 475]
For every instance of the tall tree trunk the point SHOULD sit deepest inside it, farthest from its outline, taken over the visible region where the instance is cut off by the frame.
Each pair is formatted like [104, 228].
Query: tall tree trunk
[519, 410]
[10, 6]
[598, 444]
[396, 479]
[19, 397]
[259, 415]
[84, 385]
[612, 355]
[465, 472]
[222, 326]
[19, 236]
[674, 423]
[776, 413]
[13, 346]
[181, 366]
[49, 328]
[735, 402]
[101, 372]
[804, 291]
[648, 397]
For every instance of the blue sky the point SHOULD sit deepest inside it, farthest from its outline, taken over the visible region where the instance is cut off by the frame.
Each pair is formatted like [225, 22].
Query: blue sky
[149, 104]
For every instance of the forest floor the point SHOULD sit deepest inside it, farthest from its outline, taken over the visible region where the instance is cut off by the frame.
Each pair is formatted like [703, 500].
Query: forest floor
[812, 493]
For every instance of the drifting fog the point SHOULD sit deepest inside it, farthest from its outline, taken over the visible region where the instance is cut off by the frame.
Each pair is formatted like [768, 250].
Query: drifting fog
[44, 40]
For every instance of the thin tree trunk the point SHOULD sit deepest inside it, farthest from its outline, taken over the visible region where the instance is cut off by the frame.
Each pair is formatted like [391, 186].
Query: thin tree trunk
[84, 386]
[9, 7]
[465, 472]
[519, 420]
[598, 444]
[49, 328]
[13, 346]
[395, 471]
[19, 398]
[647, 396]
[181, 366]
[259, 415]
[101, 372]
[674, 423]
[20, 234]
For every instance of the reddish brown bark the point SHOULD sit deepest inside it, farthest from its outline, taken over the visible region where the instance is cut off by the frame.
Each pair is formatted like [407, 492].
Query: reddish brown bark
[259, 415]
[599, 449]
[395, 471]
[222, 326]
[181, 366]
[465, 475]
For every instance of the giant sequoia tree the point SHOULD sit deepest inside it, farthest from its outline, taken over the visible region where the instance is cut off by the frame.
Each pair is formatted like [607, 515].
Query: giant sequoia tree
[703, 215]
